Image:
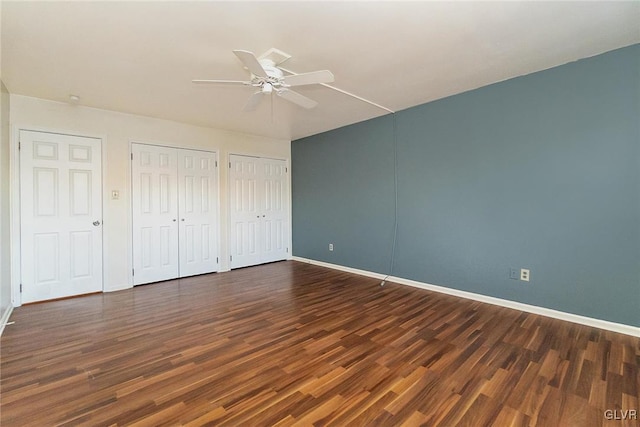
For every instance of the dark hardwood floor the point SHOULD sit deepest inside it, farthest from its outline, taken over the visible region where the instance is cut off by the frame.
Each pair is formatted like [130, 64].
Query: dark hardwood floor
[295, 344]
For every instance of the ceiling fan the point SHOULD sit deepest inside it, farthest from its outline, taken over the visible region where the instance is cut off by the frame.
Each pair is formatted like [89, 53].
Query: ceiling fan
[268, 78]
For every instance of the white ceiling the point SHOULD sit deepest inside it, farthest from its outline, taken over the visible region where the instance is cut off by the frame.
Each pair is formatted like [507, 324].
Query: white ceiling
[140, 57]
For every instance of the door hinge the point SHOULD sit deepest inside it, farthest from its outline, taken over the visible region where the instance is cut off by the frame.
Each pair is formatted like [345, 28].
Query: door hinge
[133, 271]
[131, 156]
[229, 165]
[217, 261]
[230, 257]
[287, 250]
[20, 287]
[216, 163]
[19, 145]
[286, 170]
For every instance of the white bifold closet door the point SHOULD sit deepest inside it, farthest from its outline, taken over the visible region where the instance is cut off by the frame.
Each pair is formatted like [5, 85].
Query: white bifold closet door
[197, 205]
[259, 210]
[174, 193]
[60, 215]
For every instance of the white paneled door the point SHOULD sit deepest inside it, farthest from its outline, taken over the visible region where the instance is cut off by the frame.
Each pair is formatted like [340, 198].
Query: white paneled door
[259, 210]
[155, 213]
[198, 202]
[245, 211]
[276, 210]
[60, 215]
[175, 222]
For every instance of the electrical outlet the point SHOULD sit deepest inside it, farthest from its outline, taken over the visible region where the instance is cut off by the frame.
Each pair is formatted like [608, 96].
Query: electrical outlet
[524, 274]
[514, 274]
[331, 246]
[115, 194]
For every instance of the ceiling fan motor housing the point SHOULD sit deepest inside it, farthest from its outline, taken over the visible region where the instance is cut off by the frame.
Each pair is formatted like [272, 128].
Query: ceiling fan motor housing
[274, 74]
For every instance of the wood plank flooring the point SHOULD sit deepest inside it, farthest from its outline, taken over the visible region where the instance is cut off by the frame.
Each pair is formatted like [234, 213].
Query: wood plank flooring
[294, 344]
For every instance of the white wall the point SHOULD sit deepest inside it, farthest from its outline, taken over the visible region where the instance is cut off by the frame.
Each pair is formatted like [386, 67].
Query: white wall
[118, 130]
[5, 259]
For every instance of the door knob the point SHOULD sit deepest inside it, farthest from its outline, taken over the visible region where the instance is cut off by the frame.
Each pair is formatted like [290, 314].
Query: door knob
[174, 220]
[182, 219]
[96, 223]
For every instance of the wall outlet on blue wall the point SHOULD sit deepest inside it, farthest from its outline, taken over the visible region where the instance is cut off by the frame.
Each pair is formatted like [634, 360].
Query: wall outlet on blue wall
[331, 246]
[514, 274]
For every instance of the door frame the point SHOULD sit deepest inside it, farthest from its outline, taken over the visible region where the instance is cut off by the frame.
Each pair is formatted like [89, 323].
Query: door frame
[14, 197]
[130, 199]
[228, 209]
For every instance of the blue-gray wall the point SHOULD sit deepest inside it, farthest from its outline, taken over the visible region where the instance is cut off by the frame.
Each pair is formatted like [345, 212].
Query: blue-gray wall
[539, 172]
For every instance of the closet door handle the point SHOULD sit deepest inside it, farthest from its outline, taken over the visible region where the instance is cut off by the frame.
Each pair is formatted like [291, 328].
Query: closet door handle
[174, 220]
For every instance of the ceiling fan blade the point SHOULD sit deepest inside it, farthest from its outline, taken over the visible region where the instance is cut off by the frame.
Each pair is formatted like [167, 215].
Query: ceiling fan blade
[253, 102]
[251, 62]
[297, 98]
[314, 77]
[224, 82]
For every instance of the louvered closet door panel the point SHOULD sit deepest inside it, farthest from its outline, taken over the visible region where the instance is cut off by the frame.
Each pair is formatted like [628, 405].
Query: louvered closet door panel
[197, 181]
[245, 195]
[155, 213]
[60, 215]
[275, 210]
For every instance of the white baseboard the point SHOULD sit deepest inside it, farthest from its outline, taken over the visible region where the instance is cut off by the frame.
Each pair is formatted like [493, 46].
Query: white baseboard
[569, 317]
[340, 267]
[5, 318]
